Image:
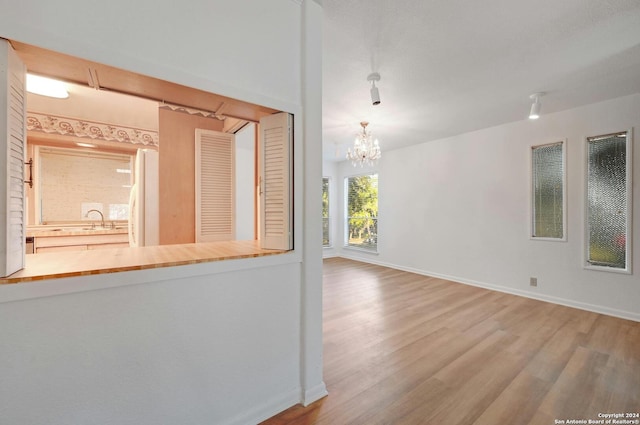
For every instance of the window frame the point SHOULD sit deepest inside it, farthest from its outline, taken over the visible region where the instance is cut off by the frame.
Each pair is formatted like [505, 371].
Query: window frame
[532, 236]
[329, 243]
[60, 150]
[629, 218]
[347, 217]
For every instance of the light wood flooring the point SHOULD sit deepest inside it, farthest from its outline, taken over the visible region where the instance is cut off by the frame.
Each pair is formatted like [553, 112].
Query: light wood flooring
[401, 348]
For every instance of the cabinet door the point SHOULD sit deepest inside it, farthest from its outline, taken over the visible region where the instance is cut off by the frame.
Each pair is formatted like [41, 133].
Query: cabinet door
[215, 186]
[13, 133]
[276, 182]
[107, 246]
[44, 249]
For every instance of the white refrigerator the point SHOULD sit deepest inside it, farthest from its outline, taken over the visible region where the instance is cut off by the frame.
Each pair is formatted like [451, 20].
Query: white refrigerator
[143, 200]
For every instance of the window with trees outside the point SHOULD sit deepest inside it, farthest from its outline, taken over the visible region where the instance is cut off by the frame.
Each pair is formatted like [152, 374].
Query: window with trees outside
[326, 241]
[608, 206]
[362, 212]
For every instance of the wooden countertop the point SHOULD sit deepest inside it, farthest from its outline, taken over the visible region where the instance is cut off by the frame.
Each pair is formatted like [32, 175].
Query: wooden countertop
[81, 263]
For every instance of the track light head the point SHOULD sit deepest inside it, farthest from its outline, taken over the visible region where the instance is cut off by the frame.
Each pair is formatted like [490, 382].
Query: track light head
[534, 114]
[375, 94]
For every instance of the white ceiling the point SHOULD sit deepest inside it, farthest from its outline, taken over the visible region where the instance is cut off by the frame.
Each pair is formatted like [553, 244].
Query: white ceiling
[453, 66]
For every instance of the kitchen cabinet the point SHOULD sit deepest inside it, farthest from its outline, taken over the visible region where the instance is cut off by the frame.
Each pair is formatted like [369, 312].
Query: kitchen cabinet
[73, 240]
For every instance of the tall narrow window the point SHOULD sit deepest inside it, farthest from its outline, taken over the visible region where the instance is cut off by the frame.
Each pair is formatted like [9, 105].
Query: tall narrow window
[362, 212]
[326, 240]
[547, 191]
[608, 208]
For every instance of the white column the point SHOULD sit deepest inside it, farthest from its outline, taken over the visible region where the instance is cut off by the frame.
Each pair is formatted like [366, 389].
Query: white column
[313, 387]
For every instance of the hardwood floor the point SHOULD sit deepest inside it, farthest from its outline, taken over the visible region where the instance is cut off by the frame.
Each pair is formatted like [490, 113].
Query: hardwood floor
[401, 348]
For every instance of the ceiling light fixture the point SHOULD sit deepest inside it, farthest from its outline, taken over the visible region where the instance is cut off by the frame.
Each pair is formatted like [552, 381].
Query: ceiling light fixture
[365, 150]
[534, 114]
[46, 87]
[375, 94]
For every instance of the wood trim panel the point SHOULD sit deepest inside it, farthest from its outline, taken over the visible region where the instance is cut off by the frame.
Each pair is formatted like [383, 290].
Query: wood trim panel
[177, 176]
[82, 71]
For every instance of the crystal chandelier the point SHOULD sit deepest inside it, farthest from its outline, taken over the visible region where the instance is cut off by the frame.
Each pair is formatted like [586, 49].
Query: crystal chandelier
[365, 151]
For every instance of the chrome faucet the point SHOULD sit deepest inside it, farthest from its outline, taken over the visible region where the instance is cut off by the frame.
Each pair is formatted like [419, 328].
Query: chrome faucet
[101, 216]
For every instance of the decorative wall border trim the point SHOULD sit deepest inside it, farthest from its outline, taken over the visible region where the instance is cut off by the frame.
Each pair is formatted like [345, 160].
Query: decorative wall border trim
[47, 123]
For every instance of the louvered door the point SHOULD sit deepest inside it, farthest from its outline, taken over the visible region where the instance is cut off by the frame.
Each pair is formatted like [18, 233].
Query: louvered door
[12, 157]
[215, 186]
[276, 182]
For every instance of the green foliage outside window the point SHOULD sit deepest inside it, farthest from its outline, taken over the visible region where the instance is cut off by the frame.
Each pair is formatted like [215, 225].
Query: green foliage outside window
[362, 211]
[325, 212]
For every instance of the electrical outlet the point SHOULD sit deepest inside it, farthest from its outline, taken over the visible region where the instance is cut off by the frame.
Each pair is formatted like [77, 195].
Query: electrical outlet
[533, 281]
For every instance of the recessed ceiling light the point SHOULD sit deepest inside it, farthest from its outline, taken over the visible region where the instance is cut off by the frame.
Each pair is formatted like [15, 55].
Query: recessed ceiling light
[46, 87]
[85, 145]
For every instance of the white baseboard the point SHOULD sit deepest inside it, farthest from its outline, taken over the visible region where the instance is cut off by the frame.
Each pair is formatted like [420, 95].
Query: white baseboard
[264, 411]
[629, 315]
[278, 404]
[314, 394]
[329, 253]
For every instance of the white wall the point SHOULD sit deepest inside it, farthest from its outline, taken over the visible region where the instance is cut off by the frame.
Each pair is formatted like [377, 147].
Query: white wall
[226, 47]
[459, 208]
[311, 297]
[227, 342]
[245, 179]
[202, 349]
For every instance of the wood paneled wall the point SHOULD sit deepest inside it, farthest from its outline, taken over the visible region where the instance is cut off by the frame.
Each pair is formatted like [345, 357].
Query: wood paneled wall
[177, 174]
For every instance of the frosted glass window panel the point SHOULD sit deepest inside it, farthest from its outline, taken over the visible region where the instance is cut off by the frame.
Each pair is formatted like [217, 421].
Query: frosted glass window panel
[362, 212]
[548, 191]
[607, 201]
